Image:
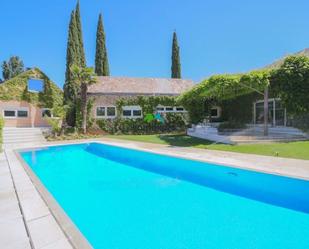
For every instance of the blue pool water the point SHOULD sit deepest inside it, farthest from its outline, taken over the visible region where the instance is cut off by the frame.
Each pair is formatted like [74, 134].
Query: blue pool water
[127, 199]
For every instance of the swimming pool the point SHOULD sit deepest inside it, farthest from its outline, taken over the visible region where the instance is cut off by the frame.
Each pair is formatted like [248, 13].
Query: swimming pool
[122, 198]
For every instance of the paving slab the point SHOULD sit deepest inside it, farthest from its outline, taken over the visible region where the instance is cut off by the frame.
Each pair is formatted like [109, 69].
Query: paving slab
[13, 233]
[9, 208]
[44, 231]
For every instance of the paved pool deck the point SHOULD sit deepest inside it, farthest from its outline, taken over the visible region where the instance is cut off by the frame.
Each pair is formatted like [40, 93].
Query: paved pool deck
[28, 220]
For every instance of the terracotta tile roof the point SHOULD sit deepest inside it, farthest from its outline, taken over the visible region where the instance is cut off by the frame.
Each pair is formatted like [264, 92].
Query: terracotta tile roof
[142, 86]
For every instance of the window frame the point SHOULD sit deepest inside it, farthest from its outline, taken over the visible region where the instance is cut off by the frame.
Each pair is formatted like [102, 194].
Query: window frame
[10, 110]
[218, 108]
[183, 109]
[47, 109]
[132, 108]
[174, 109]
[96, 112]
[15, 110]
[106, 112]
[105, 116]
[22, 110]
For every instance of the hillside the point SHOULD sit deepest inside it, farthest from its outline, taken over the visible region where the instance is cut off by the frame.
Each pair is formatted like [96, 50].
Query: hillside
[279, 62]
[17, 89]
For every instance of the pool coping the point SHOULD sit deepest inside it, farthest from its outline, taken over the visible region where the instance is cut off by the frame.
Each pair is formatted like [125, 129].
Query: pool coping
[132, 145]
[70, 230]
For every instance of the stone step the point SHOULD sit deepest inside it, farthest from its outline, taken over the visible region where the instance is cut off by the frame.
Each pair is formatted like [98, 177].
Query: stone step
[24, 141]
[23, 135]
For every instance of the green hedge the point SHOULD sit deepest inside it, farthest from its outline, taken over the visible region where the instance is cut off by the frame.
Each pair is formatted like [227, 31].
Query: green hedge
[174, 122]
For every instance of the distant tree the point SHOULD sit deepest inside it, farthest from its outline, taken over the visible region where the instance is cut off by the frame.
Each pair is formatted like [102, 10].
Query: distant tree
[83, 77]
[101, 59]
[176, 66]
[81, 51]
[291, 83]
[13, 67]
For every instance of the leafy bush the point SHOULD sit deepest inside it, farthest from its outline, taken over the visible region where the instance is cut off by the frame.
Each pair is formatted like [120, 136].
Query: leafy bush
[231, 126]
[291, 82]
[174, 122]
[300, 122]
[55, 124]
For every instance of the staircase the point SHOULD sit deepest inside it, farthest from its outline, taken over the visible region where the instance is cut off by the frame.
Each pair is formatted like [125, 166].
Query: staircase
[208, 133]
[252, 134]
[277, 134]
[23, 135]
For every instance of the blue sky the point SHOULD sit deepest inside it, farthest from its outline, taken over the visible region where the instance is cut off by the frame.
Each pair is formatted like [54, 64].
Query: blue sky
[221, 36]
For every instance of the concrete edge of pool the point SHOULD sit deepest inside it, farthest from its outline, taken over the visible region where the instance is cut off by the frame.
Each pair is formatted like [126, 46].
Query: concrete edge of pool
[74, 236]
[62, 233]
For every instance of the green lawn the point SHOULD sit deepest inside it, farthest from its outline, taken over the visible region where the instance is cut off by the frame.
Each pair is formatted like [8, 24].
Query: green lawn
[298, 150]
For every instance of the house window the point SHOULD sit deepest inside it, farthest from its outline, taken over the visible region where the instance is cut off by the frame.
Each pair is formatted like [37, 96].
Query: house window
[100, 112]
[127, 113]
[169, 109]
[215, 112]
[160, 109]
[180, 109]
[46, 113]
[106, 112]
[132, 111]
[22, 113]
[16, 113]
[9, 113]
[111, 111]
[137, 113]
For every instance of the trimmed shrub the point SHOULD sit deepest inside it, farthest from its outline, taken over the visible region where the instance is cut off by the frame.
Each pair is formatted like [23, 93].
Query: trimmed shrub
[174, 122]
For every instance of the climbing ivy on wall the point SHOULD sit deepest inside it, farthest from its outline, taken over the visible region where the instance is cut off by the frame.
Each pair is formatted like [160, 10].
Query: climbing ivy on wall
[148, 104]
[173, 122]
[17, 89]
[222, 90]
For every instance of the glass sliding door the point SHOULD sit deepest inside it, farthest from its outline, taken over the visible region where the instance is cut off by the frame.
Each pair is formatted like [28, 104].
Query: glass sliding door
[276, 113]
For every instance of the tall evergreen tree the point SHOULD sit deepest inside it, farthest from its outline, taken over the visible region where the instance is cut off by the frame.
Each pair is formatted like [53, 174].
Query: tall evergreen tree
[72, 58]
[81, 51]
[101, 59]
[176, 66]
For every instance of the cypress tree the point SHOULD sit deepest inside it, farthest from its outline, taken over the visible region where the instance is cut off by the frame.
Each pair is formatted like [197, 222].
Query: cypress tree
[101, 59]
[72, 57]
[176, 66]
[81, 51]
